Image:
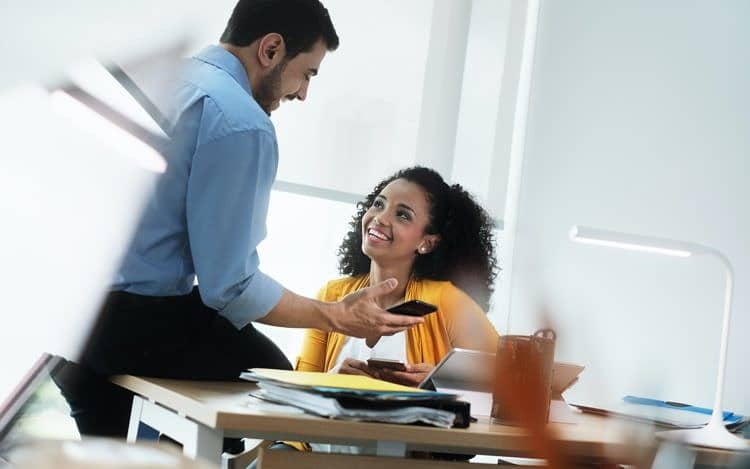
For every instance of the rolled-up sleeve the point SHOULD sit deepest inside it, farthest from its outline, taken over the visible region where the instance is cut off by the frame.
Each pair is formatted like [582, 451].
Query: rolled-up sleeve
[227, 202]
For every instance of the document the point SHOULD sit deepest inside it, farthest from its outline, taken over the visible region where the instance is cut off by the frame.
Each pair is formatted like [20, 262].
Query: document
[340, 383]
[331, 407]
[358, 398]
[664, 413]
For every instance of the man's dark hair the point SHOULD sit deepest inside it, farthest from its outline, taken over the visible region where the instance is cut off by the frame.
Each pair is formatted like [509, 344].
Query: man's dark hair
[301, 23]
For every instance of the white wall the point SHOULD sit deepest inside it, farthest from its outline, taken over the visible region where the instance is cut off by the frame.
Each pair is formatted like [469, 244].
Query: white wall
[476, 128]
[639, 121]
[361, 118]
[441, 91]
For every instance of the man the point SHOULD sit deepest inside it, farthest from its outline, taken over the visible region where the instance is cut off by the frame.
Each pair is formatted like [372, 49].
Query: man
[206, 219]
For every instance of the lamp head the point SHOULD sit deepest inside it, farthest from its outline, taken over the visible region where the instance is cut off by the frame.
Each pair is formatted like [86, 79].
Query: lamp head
[583, 234]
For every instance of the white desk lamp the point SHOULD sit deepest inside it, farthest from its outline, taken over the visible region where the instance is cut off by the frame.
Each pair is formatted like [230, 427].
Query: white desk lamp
[715, 434]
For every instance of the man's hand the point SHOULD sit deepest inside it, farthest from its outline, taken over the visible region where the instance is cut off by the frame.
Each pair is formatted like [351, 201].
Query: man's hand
[412, 376]
[358, 315]
[350, 366]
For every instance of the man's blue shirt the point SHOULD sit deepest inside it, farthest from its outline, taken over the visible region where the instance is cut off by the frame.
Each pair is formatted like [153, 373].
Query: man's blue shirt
[208, 212]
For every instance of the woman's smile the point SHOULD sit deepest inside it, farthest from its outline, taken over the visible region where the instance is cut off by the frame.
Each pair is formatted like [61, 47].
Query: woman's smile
[377, 236]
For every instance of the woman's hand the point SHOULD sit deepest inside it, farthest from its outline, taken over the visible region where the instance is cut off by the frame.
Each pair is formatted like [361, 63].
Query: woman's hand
[350, 366]
[412, 376]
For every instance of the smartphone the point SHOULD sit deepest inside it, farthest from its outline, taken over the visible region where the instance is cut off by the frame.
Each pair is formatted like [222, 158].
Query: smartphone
[412, 308]
[386, 363]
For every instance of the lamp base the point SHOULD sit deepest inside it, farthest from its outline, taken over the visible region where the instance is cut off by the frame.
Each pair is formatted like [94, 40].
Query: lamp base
[713, 436]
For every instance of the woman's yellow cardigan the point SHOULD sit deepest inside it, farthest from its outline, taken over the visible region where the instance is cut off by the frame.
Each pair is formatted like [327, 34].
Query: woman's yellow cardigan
[458, 322]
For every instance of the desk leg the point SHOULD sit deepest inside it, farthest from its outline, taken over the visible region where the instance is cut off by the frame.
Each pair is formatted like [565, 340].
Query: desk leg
[197, 440]
[135, 419]
[204, 443]
[391, 448]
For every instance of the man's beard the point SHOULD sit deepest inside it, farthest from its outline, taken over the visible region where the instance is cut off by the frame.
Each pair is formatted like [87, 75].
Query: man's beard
[269, 89]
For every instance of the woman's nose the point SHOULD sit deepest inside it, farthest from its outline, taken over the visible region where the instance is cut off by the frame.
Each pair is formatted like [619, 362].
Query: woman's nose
[378, 221]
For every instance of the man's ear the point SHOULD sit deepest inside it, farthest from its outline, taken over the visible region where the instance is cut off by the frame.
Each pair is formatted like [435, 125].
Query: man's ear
[271, 50]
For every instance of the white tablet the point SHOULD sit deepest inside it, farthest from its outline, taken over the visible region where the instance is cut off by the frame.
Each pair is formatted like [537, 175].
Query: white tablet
[564, 375]
[473, 370]
[462, 369]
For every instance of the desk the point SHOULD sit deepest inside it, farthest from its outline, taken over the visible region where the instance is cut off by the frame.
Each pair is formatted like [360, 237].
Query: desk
[200, 414]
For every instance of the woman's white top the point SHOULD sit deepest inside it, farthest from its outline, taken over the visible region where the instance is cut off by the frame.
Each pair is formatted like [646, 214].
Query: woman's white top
[392, 347]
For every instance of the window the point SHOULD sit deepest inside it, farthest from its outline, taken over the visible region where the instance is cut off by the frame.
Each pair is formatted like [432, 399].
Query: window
[304, 234]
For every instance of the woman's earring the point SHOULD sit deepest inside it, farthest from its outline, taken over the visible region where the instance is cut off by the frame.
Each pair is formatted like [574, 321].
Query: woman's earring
[421, 250]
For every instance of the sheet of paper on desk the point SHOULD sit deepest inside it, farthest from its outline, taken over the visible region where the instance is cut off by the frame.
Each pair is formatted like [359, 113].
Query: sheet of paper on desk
[661, 416]
[332, 380]
[256, 402]
[325, 406]
[334, 383]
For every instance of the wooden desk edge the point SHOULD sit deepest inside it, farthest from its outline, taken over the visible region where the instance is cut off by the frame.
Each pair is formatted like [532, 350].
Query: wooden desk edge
[152, 390]
[514, 440]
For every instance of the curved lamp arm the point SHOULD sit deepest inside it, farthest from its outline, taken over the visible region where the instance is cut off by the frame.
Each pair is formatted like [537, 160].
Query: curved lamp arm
[715, 433]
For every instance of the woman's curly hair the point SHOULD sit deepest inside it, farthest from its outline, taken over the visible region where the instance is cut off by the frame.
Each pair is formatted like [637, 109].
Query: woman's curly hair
[465, 254]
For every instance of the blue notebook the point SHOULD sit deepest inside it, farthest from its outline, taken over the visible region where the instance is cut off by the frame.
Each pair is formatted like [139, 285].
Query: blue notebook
[729, 417]
[664, 413]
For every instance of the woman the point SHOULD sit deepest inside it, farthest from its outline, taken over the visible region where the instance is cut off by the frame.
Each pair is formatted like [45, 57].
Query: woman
[438, 243]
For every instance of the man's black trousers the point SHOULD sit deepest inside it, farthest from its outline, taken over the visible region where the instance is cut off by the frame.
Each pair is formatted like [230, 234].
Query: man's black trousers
[166, 337]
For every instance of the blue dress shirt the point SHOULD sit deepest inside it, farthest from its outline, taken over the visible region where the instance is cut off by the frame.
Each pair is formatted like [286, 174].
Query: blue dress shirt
[208, 212]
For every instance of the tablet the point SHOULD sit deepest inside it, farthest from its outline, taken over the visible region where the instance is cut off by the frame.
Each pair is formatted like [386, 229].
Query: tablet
[473, 370]
[462, 369]
[564, 375]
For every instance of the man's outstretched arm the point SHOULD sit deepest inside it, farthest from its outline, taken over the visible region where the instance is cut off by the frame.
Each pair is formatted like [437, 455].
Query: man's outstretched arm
[356, 315]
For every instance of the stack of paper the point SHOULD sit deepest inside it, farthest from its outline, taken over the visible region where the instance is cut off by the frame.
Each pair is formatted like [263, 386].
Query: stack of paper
[664, 413]
[353, 397]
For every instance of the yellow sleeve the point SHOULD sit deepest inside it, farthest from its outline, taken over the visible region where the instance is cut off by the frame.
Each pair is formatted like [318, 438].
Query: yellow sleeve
[466, 323]
[311, 358]
[313, 352]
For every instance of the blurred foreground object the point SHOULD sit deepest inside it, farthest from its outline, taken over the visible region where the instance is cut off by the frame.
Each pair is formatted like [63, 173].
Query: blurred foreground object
[41, 39]
[524, 361]
[79, 160]
[100, 453]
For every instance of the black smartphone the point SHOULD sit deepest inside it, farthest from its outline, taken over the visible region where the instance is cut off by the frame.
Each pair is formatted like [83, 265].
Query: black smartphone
[386, 363]
[412, 308]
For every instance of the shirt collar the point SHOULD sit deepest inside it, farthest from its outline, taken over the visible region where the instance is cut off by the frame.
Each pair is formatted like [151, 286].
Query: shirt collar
[225, 60]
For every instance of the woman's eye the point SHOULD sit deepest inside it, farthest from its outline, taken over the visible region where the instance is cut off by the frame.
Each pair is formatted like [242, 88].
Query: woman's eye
[378, 204]
[404, 216]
